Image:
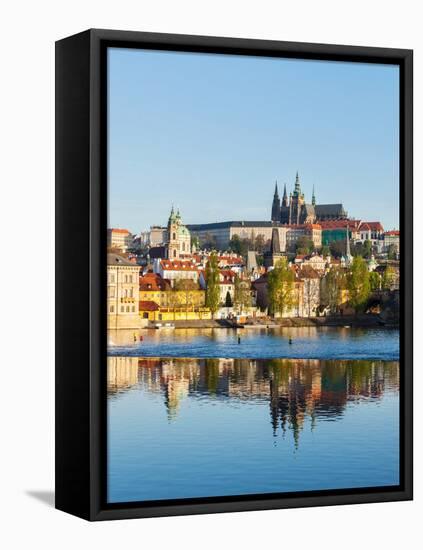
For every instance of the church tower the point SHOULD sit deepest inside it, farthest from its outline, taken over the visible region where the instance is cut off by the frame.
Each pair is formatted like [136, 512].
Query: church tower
[276, 206]
[178, 237]
[172, 236]
[296, 203]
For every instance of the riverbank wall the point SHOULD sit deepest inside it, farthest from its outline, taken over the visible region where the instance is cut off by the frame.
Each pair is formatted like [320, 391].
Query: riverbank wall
[359, 321]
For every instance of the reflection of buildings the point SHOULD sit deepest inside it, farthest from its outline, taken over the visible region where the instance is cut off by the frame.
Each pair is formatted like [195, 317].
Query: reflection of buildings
[122, 373]
[297, 391]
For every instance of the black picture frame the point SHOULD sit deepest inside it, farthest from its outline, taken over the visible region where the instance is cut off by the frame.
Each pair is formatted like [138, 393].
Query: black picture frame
[81, 203]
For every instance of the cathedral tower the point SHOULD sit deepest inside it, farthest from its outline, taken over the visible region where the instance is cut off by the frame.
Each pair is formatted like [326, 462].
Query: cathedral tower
[276, 206]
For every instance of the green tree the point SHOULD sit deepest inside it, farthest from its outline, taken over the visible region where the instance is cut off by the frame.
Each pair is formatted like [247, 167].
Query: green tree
[331, 288]
[228, 299]
[367, 250]
[212, 283]
[375, 281]
[392, 252]
[358, 284]
[242, 296]
[338, 248]
[325, 251]
[388, 278]
[304, 245]
[259, 244]
[281, 287]
[195, 242]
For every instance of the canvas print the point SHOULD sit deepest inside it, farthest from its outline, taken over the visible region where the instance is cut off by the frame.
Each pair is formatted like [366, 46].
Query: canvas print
[253, 260]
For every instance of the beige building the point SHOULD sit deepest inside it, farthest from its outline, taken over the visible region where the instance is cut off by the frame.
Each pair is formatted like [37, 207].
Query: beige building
[222, 232]
[120, 239]
[311, 231]
[122, 293]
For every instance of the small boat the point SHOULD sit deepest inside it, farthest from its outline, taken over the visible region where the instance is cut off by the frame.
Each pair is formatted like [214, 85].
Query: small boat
[164, 325]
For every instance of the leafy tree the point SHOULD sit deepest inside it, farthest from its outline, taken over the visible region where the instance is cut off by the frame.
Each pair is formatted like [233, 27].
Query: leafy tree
[358, 283]
[242, 296]
[367, 249]
[281, 287]
[388, 278]
[392, 252]
[235, 244]
[259, 244]
[375, 281]
[325, 251]
[338, 248]
[195, 242]
[183, 289]
[240, 246]
[212, 283]
[304, 245]
[332, 285]
[228, 299]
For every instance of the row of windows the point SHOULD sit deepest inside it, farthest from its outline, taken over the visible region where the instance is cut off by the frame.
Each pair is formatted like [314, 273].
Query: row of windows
[126, 292]
[126, 278]
[128, 309]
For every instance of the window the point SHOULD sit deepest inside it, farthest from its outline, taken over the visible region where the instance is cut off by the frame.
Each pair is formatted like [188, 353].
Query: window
[133, 309]
[174, 236]
[122, 309]
[127, 309]
[112, 309]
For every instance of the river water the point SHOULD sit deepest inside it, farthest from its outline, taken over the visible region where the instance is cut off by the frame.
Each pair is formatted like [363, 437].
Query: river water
[194, 413]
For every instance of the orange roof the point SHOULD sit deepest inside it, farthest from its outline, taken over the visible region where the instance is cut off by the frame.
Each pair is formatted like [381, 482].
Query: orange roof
[304, 226]
[153, 281]
[148, 305]
[340, 224]
[374, 226]
[392, 233]
[114, 230]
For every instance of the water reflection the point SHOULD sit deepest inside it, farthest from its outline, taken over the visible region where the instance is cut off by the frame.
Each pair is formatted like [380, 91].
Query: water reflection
[294, 389]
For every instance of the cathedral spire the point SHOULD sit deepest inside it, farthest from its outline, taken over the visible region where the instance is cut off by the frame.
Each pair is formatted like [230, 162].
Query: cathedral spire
[313, 198]
[285, 196]
[297, 188]
[276, 206]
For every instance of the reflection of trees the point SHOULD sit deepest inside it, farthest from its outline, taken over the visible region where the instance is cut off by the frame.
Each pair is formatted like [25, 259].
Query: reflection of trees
[296, 391]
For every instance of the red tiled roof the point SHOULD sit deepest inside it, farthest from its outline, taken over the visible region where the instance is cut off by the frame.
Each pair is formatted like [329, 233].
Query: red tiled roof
[374, 226]
[304, 226]
[153, 281]
[340, 224]
[392, 233]
[114, 230]
[148, 305]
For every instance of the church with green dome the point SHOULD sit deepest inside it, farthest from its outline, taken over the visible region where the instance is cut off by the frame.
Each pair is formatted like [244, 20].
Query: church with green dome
[178, 237]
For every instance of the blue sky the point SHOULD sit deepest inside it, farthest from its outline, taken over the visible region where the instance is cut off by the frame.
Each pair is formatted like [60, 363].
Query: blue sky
[212, 133]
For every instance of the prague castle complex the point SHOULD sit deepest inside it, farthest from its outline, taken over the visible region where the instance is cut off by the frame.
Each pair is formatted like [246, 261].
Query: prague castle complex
[294, 210]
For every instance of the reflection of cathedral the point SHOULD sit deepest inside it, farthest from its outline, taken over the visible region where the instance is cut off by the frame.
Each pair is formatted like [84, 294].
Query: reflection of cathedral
[294, 210]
